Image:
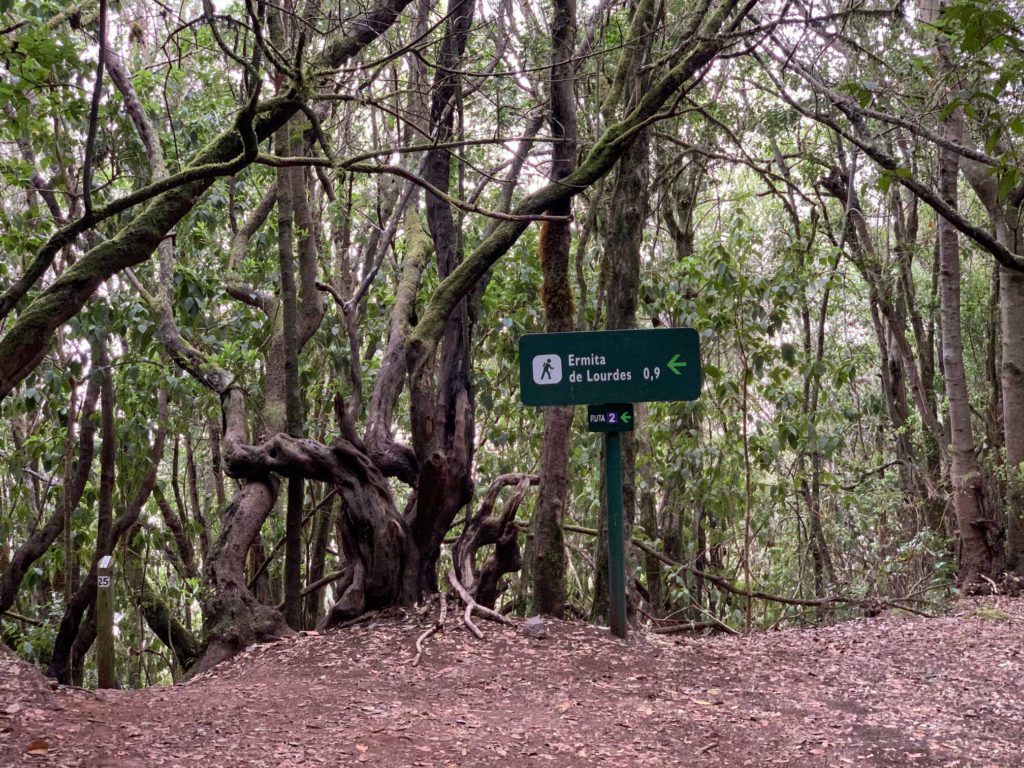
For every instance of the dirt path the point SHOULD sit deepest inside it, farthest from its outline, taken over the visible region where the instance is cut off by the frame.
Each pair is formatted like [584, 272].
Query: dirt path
[890, 691]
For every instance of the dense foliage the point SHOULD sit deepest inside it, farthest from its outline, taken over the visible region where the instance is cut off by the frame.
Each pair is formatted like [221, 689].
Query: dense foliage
[372, 223]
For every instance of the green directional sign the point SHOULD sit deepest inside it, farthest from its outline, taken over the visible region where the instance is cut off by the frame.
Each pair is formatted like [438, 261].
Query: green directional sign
[609, 367]
[614, 417]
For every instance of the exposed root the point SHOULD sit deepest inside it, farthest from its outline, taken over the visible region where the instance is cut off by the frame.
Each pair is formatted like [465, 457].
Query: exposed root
[467, 619]
[438, 626]
[995, 589]
[472, 606]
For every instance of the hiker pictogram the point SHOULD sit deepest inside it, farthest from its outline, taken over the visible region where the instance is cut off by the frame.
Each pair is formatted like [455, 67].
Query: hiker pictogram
[547, 369]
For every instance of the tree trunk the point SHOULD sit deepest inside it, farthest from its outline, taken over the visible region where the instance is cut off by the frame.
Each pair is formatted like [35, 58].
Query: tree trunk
[1005, 218]
[547, 553]
[980, 545]
[443, 424]
[233, 617]
[1011, 300]
[287, 189]
[981, 548]
[484, 529]
[623, 242]
[377, 542]
[814, 349]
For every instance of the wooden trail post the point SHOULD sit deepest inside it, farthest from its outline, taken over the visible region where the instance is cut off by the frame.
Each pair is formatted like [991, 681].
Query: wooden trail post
[105, 622]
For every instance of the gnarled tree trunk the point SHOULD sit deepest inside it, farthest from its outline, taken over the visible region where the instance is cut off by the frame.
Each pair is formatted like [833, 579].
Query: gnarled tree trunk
[442, 418]
[484, 529]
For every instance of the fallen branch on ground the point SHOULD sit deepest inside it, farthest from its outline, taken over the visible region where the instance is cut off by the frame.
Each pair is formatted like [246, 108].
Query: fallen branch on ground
[866, 604]
[671, 627]
[688, 626]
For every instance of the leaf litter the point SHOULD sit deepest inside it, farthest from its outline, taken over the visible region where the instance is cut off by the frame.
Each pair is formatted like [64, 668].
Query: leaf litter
[946, 692]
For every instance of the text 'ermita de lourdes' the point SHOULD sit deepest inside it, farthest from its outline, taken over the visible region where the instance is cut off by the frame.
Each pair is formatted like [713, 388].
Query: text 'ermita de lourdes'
[580, 361]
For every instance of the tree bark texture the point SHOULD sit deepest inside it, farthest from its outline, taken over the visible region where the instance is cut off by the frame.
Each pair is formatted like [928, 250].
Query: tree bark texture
[547, 569]
[377, 544]
[980, 544]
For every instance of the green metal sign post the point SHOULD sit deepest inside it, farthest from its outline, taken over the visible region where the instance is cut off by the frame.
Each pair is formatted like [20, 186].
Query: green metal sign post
[616, 534]
[608, 371]
[613, 419]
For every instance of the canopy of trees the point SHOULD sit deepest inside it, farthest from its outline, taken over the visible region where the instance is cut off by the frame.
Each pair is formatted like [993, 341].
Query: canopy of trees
[264, 266]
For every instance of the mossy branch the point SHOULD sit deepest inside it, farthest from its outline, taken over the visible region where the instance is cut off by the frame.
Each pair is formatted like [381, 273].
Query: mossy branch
[66, 235]
[702, 48]
[27, 341]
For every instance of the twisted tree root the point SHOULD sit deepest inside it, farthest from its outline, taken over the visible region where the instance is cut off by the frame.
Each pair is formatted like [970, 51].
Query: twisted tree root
[438, 626]
[473, 606]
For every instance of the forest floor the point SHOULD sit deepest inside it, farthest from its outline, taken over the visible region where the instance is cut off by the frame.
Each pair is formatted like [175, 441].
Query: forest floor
[896, 690]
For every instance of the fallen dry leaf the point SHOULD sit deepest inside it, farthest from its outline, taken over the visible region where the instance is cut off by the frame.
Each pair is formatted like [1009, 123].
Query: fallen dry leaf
[38, 747]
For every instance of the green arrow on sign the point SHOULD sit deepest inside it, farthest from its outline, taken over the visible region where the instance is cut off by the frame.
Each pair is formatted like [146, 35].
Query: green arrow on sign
[676, 365]
[626, 417]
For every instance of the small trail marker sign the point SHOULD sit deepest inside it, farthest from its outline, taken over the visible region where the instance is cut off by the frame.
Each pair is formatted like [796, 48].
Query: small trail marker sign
[608, 371]
[615, 417]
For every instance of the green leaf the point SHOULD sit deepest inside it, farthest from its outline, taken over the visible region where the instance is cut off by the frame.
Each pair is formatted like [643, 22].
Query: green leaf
[992, 140]
[949, 109]
[711, 372]
[1008, 180]
[885, 181]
